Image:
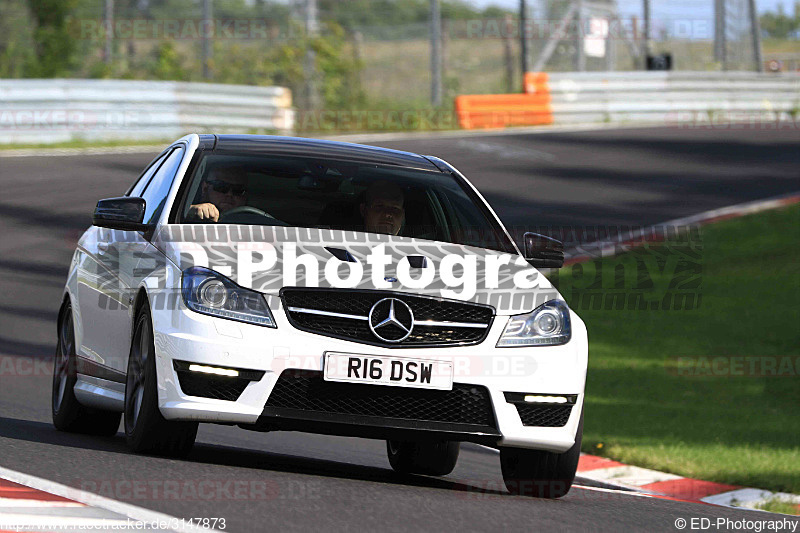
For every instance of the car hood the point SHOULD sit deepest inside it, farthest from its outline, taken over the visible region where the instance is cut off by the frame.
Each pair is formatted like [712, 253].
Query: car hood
[261, 258]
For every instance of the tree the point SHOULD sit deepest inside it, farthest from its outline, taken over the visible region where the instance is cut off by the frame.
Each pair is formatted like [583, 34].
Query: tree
[53, 39]
[337, 67]
[779, 25]
[16, 40]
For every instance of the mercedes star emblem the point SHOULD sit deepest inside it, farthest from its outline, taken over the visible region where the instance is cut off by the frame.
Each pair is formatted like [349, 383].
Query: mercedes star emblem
[391, 320]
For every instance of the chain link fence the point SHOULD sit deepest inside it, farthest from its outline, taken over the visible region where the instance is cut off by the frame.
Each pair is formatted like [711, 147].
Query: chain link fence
[385, 65]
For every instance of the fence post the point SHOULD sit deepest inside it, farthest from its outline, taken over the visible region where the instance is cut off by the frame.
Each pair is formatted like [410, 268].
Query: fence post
[436, 53]
[580, 52]
[508, 54]
[755, 27]
[208, 30]
[523, 37]
[108, 15]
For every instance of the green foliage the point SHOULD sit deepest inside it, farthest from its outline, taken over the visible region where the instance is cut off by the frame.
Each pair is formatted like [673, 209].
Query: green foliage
[42, 38]
[374, 12]
[779, 24]
[243, 64]
[167, 63]
[355, 13]
[16, 39]
[54, 39]
[494, 12]
[339, 69]
[777, 504]
[100, 70]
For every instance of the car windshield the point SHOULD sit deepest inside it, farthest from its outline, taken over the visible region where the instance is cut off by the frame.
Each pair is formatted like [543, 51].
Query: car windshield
[314, 193]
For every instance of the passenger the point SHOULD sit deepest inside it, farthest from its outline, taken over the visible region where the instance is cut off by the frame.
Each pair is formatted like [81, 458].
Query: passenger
[382, 209]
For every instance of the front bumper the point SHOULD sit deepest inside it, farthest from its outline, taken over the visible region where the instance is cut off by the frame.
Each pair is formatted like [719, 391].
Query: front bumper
[188, 337]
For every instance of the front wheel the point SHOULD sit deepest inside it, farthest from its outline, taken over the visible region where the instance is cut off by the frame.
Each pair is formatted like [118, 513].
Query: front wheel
[426, 458]
[539, 473]
[146, 430]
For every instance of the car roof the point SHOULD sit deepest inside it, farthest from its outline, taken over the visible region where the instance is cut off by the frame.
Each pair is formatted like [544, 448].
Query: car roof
[304, 147]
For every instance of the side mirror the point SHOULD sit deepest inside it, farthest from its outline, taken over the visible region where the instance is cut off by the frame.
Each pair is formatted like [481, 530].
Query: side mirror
[543, 252]
[124, 213]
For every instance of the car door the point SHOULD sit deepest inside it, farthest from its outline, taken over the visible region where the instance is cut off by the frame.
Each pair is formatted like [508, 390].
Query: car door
[150, 268]
[104, 276]
[146, 260]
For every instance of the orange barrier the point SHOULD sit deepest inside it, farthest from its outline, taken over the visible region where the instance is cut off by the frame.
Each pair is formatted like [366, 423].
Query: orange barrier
[501, 110]
[536, 83]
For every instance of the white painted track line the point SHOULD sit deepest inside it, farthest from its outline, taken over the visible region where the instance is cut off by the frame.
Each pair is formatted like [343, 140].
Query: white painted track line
[125, 510]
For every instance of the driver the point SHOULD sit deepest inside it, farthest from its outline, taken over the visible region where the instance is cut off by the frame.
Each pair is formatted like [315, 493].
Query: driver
[382, 209]
[222, 189]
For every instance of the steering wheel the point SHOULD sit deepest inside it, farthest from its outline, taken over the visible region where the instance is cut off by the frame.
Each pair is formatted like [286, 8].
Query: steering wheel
[246, 214]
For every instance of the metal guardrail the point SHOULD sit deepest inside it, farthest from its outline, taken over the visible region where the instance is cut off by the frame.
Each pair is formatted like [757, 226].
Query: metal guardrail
[670, 97]
[60, 110]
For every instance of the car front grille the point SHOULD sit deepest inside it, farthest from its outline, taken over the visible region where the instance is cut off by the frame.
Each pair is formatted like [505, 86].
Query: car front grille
[345, 314]
[551, 416]
[305, 390]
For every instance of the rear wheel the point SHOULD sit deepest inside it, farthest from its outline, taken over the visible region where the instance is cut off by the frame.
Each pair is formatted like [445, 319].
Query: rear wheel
[68, 413]
[426, 458]
[539, 473]
[146, 430]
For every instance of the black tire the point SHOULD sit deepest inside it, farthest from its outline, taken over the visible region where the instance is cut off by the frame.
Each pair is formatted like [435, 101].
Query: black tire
[146, 430]
[539, 473]
[425, 458]
[68, 414]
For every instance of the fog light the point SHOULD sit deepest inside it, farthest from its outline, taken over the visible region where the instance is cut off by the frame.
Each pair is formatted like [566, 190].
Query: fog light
[545, 399]
[214, 370]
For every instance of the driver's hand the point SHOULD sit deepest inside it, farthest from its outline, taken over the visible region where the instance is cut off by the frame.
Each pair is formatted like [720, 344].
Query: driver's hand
[208, 212]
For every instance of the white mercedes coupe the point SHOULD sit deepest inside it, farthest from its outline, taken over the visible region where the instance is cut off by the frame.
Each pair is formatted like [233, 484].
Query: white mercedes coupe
[278, 283]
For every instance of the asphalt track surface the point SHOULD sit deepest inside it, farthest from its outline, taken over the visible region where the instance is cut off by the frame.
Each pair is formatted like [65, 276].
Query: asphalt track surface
[634, 176]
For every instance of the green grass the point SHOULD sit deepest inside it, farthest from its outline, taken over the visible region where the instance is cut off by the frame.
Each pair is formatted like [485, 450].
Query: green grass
[781, 46]
[642, 408]
[778, 505]
[78, 143]
[393, 70]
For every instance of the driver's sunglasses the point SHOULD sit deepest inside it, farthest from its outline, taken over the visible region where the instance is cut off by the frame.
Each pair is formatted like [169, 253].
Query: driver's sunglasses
[223, 187]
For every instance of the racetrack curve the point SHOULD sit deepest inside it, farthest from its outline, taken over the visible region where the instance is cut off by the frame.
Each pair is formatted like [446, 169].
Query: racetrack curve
[626, 176]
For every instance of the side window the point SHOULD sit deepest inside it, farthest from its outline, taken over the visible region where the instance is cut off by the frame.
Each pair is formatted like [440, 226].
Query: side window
[156, 192]
[137, 189]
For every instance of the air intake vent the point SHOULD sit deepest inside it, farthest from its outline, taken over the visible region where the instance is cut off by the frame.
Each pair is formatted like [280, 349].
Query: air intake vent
[550, 416]
[306, 391]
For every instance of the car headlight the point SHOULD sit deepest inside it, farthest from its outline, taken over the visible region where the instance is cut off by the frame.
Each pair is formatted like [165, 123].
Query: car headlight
[211, 293]
[547, 325]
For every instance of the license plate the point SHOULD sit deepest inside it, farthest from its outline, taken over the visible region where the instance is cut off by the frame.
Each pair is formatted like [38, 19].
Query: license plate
[393, 371]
